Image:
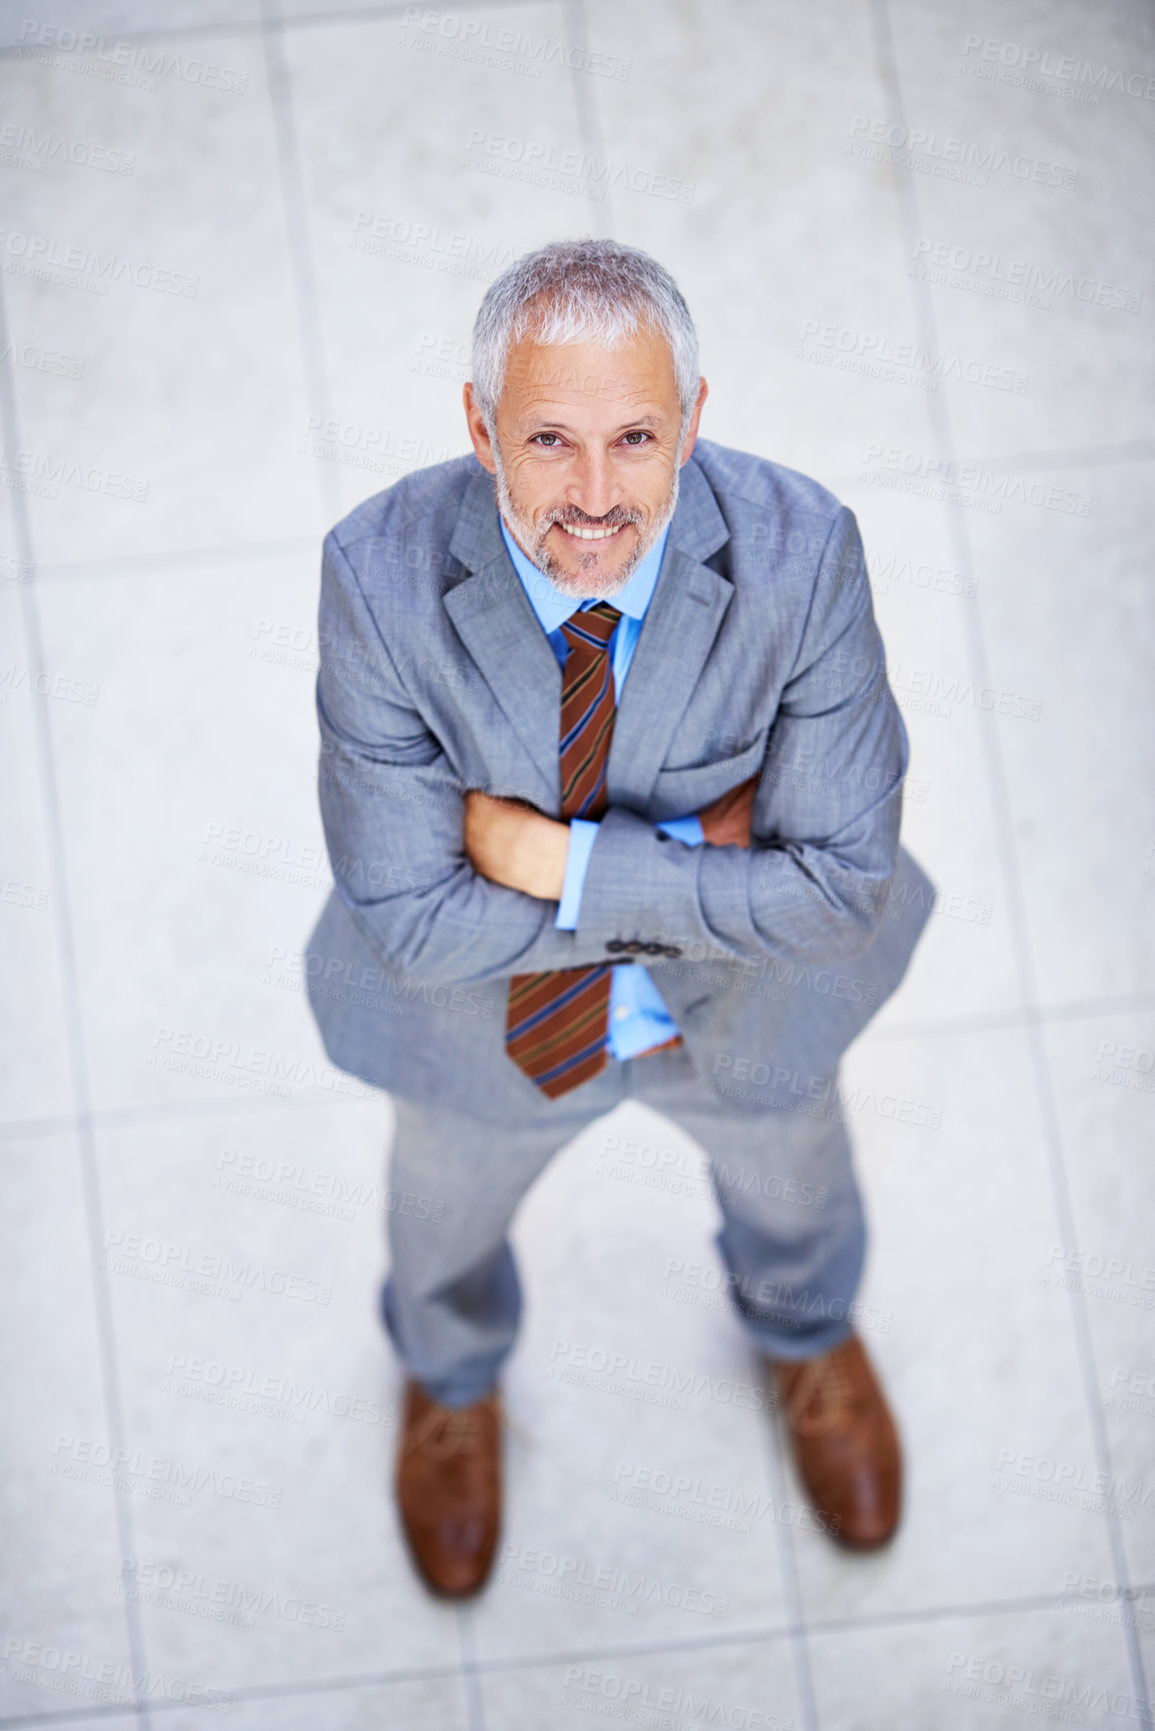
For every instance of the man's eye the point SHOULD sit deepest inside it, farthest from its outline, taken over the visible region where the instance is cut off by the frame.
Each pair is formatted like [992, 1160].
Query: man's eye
[541, 438]
[636, 436]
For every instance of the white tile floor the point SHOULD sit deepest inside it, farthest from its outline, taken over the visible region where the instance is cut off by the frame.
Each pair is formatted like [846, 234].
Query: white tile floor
[301, 218]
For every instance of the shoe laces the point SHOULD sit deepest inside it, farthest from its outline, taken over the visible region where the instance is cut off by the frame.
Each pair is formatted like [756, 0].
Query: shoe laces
[446, 1432]
[820, 1394]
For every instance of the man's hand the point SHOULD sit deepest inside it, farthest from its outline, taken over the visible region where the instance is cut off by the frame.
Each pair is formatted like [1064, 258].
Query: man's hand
[510, 843]
[726, 823]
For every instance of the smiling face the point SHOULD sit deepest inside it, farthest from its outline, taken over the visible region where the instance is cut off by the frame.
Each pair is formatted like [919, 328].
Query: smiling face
[586, 456]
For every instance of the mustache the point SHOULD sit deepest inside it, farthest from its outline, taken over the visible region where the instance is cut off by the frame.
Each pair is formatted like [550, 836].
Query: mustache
[615, 518]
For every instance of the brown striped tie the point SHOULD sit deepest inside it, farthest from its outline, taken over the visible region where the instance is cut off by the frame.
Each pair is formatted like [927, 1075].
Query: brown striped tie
[557, 1023]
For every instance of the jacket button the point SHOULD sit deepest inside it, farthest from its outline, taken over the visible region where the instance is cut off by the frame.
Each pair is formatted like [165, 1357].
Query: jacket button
[615, 944]
[655, 949]
[673, 950]
[635, 946]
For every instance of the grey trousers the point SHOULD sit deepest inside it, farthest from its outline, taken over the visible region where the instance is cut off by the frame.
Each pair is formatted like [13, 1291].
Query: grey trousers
[792, 1237]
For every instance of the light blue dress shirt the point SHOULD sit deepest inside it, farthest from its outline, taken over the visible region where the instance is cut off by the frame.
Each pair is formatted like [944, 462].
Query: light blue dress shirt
[638, 1017]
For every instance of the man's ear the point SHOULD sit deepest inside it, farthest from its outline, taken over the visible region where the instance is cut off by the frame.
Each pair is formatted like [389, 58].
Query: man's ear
[692, 430]
[479, 432]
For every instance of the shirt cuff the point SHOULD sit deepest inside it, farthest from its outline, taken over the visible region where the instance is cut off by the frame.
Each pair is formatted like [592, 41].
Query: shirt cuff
[582, 835]
[687, 829]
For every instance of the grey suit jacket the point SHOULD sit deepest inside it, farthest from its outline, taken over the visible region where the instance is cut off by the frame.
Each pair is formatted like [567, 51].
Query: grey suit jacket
[759, 654]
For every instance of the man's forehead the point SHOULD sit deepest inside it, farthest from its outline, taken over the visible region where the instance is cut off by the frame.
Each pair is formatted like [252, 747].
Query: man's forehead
[538, 375]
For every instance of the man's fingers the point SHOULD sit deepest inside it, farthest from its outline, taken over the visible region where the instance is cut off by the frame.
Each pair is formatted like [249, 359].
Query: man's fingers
[726, 822]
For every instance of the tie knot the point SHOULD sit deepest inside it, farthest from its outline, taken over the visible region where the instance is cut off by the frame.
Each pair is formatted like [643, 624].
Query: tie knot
[594, 627]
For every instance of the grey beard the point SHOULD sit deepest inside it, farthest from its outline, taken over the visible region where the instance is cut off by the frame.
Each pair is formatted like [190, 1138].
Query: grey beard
[578, 587]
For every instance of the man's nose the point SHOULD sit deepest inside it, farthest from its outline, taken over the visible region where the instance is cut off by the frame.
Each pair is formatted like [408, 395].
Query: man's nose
[593, 487]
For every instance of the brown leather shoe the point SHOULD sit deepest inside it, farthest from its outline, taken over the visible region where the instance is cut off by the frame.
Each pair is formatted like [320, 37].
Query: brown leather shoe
[449, 1489]
[845, 1443]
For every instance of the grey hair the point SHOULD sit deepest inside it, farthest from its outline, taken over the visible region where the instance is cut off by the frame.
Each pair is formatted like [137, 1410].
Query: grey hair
[574, 291]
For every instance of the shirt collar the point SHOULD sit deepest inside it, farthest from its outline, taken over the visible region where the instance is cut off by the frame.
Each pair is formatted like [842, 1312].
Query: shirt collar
[553, 608]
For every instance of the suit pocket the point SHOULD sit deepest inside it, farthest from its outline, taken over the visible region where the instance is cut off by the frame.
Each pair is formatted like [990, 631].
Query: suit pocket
[681, 791]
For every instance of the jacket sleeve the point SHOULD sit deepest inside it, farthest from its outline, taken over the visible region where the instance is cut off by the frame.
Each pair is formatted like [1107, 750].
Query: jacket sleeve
[812, 885]
[393, 812]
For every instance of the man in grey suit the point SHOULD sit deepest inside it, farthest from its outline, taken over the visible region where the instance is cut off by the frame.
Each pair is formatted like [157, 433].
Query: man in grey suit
[611, 783]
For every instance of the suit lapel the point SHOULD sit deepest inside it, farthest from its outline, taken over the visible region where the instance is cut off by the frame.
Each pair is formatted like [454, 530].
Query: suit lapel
[678, 632]
[677, 635]
[495, 621]
[492, 615]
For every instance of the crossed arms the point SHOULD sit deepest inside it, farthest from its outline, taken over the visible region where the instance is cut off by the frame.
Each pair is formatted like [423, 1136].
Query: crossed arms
[511, 844]
[456, 887]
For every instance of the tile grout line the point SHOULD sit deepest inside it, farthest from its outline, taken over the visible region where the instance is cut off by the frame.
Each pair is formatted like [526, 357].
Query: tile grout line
[797, 1631]
[295, 212]
[999, 795]
[585, 102]
[108, 1362]
[22, 51]
[538, 1661]
[295, 207]
[470, 1673]
[177, 1111]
